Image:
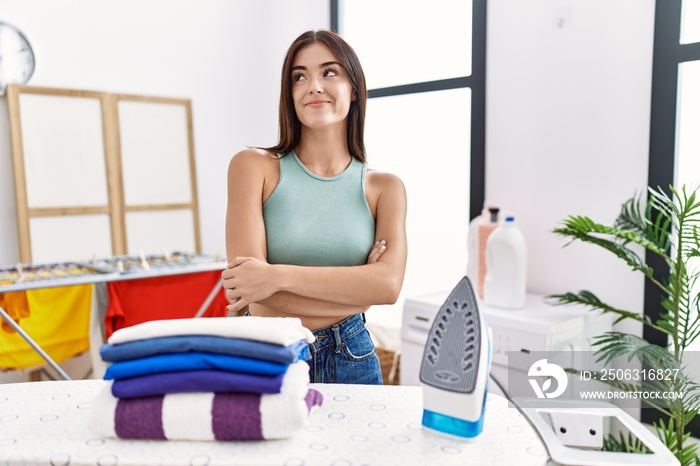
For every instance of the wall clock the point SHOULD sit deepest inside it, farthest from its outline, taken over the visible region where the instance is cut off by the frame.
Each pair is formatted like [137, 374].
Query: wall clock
[16, 57]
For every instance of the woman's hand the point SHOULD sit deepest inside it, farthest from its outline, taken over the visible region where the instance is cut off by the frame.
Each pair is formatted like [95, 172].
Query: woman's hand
[248, 280]
[376, 252]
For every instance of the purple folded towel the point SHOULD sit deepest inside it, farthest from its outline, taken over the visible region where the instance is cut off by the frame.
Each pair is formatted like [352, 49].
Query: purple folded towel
[202, 416]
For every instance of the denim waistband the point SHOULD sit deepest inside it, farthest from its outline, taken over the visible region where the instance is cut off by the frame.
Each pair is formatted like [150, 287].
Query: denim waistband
[334, 334]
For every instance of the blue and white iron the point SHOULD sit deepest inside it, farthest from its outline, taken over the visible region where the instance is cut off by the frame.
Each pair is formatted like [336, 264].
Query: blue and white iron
[455, 367]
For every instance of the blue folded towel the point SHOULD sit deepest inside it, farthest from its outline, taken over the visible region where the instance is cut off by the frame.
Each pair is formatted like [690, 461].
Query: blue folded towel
[209, 344]
[191, 361]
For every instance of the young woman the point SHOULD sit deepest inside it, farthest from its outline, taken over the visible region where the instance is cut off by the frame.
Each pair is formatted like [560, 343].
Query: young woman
[311, 232]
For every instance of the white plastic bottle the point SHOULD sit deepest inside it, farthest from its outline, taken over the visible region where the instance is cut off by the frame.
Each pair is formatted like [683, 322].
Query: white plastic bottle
[506, 266]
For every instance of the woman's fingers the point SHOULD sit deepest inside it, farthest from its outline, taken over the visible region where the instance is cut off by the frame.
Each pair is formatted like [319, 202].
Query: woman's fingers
[247, 280]
[236, 305]
[238, 260]
[376, 252]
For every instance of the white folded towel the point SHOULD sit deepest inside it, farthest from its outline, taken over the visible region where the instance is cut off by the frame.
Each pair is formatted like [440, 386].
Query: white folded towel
[277, 330]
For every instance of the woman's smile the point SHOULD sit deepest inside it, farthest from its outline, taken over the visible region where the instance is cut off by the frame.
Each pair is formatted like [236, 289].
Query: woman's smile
[316, 103]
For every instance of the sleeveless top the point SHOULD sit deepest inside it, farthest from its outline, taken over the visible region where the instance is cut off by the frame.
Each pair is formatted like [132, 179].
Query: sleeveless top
[315, 221]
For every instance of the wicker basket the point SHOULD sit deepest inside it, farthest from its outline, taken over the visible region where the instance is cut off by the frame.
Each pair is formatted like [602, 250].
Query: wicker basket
[390, 362]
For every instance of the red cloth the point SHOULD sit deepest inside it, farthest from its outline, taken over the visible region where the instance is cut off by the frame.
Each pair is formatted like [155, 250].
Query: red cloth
[133, 302]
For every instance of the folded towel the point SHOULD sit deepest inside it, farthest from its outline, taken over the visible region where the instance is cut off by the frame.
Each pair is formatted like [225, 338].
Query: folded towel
[294, 382]
[191, 361]
[277, 330]
[209, 344]
[201, 416]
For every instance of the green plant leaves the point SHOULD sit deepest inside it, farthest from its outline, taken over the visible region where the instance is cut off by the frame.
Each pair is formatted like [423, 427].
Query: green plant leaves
[587, 298]
[667, 225]
[613, 345]
[684, 451]
[629, 444]
[586, 230]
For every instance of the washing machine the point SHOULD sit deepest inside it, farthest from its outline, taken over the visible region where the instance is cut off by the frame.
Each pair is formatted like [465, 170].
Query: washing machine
[536, 327]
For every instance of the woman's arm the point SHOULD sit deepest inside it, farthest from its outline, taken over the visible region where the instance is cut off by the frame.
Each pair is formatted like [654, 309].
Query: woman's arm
[252, 176]
[252, 280]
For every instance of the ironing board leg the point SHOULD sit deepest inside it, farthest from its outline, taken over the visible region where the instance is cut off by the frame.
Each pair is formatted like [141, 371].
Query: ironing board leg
[33, 344]
[210, 298]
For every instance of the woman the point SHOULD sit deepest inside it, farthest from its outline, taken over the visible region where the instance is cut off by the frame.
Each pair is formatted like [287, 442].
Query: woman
[310, 231]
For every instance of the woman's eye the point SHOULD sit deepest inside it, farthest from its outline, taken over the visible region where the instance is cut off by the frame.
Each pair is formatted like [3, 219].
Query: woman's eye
[297, 77]
[330, 72]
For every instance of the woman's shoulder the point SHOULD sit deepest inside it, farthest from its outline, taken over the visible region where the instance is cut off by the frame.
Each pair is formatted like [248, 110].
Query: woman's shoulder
[252, 165]
[255, 155]
[254, 159]
[381, 180]
[384, 185]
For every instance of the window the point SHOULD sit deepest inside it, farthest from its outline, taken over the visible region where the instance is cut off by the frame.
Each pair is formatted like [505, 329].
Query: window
[674, 146]
[690, 22]
[688, 137]
[400, 42]
[425, 70]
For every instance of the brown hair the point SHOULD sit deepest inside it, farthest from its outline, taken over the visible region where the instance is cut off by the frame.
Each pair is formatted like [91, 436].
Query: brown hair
[289, 124]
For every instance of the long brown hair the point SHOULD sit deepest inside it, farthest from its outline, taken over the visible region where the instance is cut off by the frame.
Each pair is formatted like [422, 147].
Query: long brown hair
[289, 124]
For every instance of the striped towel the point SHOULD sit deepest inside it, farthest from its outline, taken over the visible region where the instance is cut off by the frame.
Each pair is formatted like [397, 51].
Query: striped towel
[202, 416]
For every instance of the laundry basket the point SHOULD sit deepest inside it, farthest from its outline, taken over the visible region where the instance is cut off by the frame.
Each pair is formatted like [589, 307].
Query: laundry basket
[390, 362]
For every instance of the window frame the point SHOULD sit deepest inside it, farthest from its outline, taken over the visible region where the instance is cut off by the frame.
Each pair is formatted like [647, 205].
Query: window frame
[476, 82]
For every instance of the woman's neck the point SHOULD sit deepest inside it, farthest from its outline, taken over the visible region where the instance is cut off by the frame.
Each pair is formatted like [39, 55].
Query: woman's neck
[325, 153]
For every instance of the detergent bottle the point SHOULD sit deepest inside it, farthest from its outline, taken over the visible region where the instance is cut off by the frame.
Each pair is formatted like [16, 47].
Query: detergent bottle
[473, 247]
[506, 266]
[484, 225]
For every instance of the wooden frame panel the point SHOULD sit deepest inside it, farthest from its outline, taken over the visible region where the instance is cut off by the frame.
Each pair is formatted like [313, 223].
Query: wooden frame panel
[121, 101]
[177, 111]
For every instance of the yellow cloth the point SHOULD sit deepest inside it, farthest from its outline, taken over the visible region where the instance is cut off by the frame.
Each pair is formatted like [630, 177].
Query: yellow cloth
[16, 305]
[59, 323]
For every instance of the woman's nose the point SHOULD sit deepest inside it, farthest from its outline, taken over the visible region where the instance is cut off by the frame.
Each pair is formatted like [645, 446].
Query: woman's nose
[315, 86]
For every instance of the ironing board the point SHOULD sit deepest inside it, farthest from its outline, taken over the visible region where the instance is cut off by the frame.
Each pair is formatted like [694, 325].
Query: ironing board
[101, 278]
[46, 423]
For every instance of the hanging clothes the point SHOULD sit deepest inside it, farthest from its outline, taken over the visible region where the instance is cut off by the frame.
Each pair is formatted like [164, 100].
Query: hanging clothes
[58, 321]
[17, 307]
[133, 302]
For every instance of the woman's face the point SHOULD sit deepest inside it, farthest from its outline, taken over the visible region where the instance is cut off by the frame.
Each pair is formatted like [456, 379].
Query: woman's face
[320, 87]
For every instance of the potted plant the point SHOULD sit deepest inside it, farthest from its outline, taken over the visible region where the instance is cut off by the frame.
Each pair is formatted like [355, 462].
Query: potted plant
[668, 226]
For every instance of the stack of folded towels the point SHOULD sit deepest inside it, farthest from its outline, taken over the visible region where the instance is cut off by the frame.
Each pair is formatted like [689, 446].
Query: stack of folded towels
[217, 378]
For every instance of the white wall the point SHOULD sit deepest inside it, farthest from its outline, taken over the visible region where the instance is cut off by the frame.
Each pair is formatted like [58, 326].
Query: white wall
[568, 108]
[225, 55]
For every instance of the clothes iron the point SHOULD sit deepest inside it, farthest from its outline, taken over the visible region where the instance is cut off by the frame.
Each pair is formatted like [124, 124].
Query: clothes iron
[455, 368]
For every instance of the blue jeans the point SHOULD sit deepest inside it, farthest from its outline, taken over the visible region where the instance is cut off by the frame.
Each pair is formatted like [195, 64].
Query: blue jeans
[344, 353]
